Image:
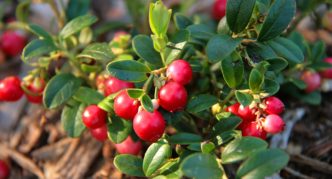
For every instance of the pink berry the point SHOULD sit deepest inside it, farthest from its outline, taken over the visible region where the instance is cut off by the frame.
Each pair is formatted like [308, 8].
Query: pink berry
[246, 113]
[219, 9]
[113, 85]
[273, 124]
[124, 106]
[312, 79]
[327, 73]
[253, 129]
[274, 105]
[172, 96]
[99, 133]
[93, 117]
[180, 71]
[129, 146]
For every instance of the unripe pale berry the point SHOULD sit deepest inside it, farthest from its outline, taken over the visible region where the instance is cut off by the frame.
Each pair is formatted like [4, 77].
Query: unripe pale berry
[273, 124]
[113, 85]
[93, 117]
[149, 126]
[180, 71]
[12, 43]
[172, 96]
[129, 146]
[36, 88]
[327, 73]
[124, 106]
[99, 133]
[4, 170]
[246, 113]
[219, 9]
[10, 89]
[254, 130]
[312, 79]
[274, 105]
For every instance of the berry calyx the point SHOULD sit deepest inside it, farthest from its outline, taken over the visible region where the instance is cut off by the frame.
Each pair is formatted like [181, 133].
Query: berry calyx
[36, 88]
[273, 124]
[172, 96]
[4, 170]
[246, 113]
[10, 89]
[219, 9]
[12, 43]
[93, 117]
[124, 106]
[180, 71]
[327, 73]
[254, 130]
[113, 85]
[274, 105]
[233, 109]
[312, 79]
[149, 126]
[99, 133]
[129, 146]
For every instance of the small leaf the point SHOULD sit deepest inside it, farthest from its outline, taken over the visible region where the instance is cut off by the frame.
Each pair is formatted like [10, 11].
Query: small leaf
[129, 164]
[143, 46]
[147, 103]
[241, 148]
[298, 83]
[71, 118]
[173, 53]
[221, 46]
[238, 13]
[280, 15]
[40, 32]
[271, 87]
[224, 125]
[107, 103]
[256, 80]
[277, 64]
[185, 138]
[201, 166]
[201, 102]
[287, 49]
[207, 147]
[119, 129]
[232, 71]
[60, 89]
[317, 52]
[244, 98]
[77, 8]
[159, 18]
[88, 96]
[77, 25]
[260, 51]
[37, 48]
[128, 70]
[155, 156]
[181, 21]
[263, 163]
[135, 93]
[200, 31]
[97, 51]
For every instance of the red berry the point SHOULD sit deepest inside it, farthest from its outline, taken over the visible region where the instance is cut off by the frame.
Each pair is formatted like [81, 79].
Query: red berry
[99, 133]
[124, 106]
[273, 124]
[246, 113]
[253, 129]
[312, 79]
[149, 126]
[219, 9]
[93, 117]
[129, 146]
[180, 71]
[274, 105]
[10, 89]
[36, 88]
[327, 73]
[4, 170]
[12, 43]
[172, 96]
[233, 109]
[113, 85]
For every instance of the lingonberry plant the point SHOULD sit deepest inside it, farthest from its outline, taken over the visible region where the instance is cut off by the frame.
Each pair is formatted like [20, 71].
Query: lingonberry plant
[198, 96]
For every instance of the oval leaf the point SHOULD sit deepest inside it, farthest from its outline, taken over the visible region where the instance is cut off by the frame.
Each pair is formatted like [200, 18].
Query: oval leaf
[185, 138]
[147, 103]
[88, 96]
[143, 46]
[128, 70]
[119, 129]
[39, 31]
[155, 156]
[77, 24]
[37, 48]
[71, 118]
[232, 71]
[244, 98]
[181, 21]
[256, 80]
[226, 124]
[238, 14]
[201, 102]
[221, 46]
[97, 51]
[129, 164]
[287, 49]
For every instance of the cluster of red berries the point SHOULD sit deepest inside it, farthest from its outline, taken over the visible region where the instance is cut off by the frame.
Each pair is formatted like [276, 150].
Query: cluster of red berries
[11, 89]
[11, 44]
[314, 79]
[4, 170]
[260, 120]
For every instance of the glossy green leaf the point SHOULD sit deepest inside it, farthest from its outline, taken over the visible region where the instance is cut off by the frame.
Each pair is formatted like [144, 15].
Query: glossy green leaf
[244, 98]
[147, 103]
[60, 89]
[97, 51]
[135, 93]
[88, 96]
[39, 31]
[238, 13]
[262, 164]
[159, 18]
[256, 80]
[200, 31]
[119, 129]
[129, 164]
[71, 118]
[107, 103]
[287, 49]
[37, 48]
[77, 25]
[207, 147]
[277, 64]
[128, 70]
[77, 8]
[221, 46]
[280, 15]
[224, 125]
[201, 166]
[155, 156]
[185, 138]
[227, 136]
[200, 103]
[260, 51]
[181, 21]
[271, 87]
[298, 83]
[241, 148]
[173, 51]
[317, 51]
[143, 46]
[232, 71]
